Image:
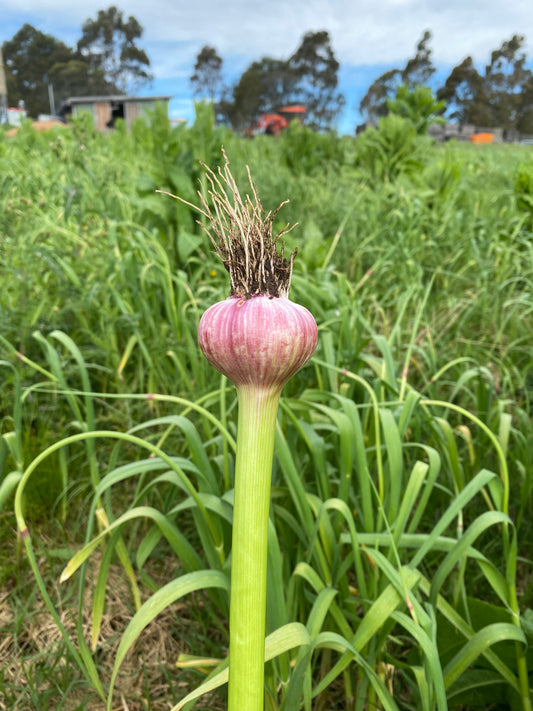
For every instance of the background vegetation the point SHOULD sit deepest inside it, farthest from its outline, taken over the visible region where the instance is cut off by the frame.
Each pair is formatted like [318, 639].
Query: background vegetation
[108, 58]
[105, 60]
[400, 546]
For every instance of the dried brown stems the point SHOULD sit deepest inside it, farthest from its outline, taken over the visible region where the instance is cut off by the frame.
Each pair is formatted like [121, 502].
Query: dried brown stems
[241, 233]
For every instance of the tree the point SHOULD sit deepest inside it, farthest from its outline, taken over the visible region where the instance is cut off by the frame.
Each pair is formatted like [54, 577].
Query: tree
[417, 71]
[103, 63]
[207, 77]
[28, 57]
[308, 77]
[109, 44]
[35, 60]
[76, 77]
[506, 77]
[465, 94]
[525, 120]
[313, 70]
[262, 88]
[501, 96]
[374, 103]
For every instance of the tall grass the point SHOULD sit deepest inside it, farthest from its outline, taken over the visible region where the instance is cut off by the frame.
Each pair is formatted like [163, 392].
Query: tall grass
[376, 544]
[403, 467]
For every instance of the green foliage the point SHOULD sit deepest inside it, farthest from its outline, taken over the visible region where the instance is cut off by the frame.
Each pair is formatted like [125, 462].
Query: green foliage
[403, 472]
[523, 188]
[306, 152]
[418, 105]
[391, 149]
[369, 496]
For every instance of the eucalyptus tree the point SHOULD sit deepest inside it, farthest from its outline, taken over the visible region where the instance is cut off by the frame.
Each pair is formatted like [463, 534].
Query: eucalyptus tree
[109, 43]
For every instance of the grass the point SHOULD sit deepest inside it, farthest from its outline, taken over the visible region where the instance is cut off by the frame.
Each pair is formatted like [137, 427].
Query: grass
[399, 541]
[37, 671]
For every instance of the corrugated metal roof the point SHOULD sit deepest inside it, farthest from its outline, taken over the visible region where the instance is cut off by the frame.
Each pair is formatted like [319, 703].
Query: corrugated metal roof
[114, 97]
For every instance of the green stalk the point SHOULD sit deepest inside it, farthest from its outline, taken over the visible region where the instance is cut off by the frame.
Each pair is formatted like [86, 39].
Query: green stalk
[258, 339]
[253, 472]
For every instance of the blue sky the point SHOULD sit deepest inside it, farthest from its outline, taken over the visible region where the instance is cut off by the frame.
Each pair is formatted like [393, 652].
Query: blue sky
[368, 36]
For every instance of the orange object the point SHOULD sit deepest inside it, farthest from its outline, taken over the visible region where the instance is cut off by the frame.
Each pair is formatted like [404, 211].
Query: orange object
[272, 124]
[294, 109]
[39, 126]
[482, 138]
[275, 123]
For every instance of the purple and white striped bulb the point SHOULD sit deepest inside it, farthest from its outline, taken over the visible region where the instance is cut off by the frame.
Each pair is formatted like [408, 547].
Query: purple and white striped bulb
[261, 341]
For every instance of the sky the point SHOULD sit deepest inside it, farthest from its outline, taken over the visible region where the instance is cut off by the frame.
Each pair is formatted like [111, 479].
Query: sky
[368, 36]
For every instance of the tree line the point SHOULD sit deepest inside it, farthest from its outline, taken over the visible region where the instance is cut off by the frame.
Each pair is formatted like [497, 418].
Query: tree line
[309, 77]
[107, 59]
[501, 95]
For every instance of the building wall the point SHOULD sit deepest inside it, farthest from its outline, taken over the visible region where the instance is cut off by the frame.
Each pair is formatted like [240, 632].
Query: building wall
[101, 111]
[84, 107]
[132, 110]
[101, 115]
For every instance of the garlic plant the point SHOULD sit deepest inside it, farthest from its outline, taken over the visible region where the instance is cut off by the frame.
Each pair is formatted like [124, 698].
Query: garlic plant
[259, 339]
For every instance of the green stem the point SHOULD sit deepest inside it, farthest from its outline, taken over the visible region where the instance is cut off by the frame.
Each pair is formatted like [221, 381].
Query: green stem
[253, 472]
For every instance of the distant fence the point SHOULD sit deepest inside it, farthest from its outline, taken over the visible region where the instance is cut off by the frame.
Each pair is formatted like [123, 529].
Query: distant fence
[468, 133]
[477, 134]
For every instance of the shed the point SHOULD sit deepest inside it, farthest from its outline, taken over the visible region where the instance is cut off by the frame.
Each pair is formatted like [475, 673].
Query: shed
[105, 109]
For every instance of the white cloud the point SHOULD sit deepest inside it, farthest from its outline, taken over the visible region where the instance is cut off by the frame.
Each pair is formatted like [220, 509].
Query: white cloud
[367, 35]
[363, 32]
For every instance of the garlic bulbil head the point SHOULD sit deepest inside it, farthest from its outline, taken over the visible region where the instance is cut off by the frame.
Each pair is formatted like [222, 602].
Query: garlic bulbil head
[260, 341]
[257, 336]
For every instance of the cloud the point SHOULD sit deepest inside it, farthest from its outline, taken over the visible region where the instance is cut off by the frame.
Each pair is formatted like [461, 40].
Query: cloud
[368, 36]
[363, 33]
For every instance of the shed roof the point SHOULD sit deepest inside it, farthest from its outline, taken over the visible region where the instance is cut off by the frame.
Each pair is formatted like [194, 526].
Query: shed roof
[114, 97]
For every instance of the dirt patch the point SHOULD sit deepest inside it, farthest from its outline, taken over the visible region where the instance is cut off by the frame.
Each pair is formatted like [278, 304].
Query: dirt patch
[34, 663]
[39, 126]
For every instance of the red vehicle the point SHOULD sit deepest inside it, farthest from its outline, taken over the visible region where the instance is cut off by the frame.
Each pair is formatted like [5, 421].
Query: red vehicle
[275, 123]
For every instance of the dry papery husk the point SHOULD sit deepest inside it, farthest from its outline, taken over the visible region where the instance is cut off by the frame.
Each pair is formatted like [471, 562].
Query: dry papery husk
[144, 674]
